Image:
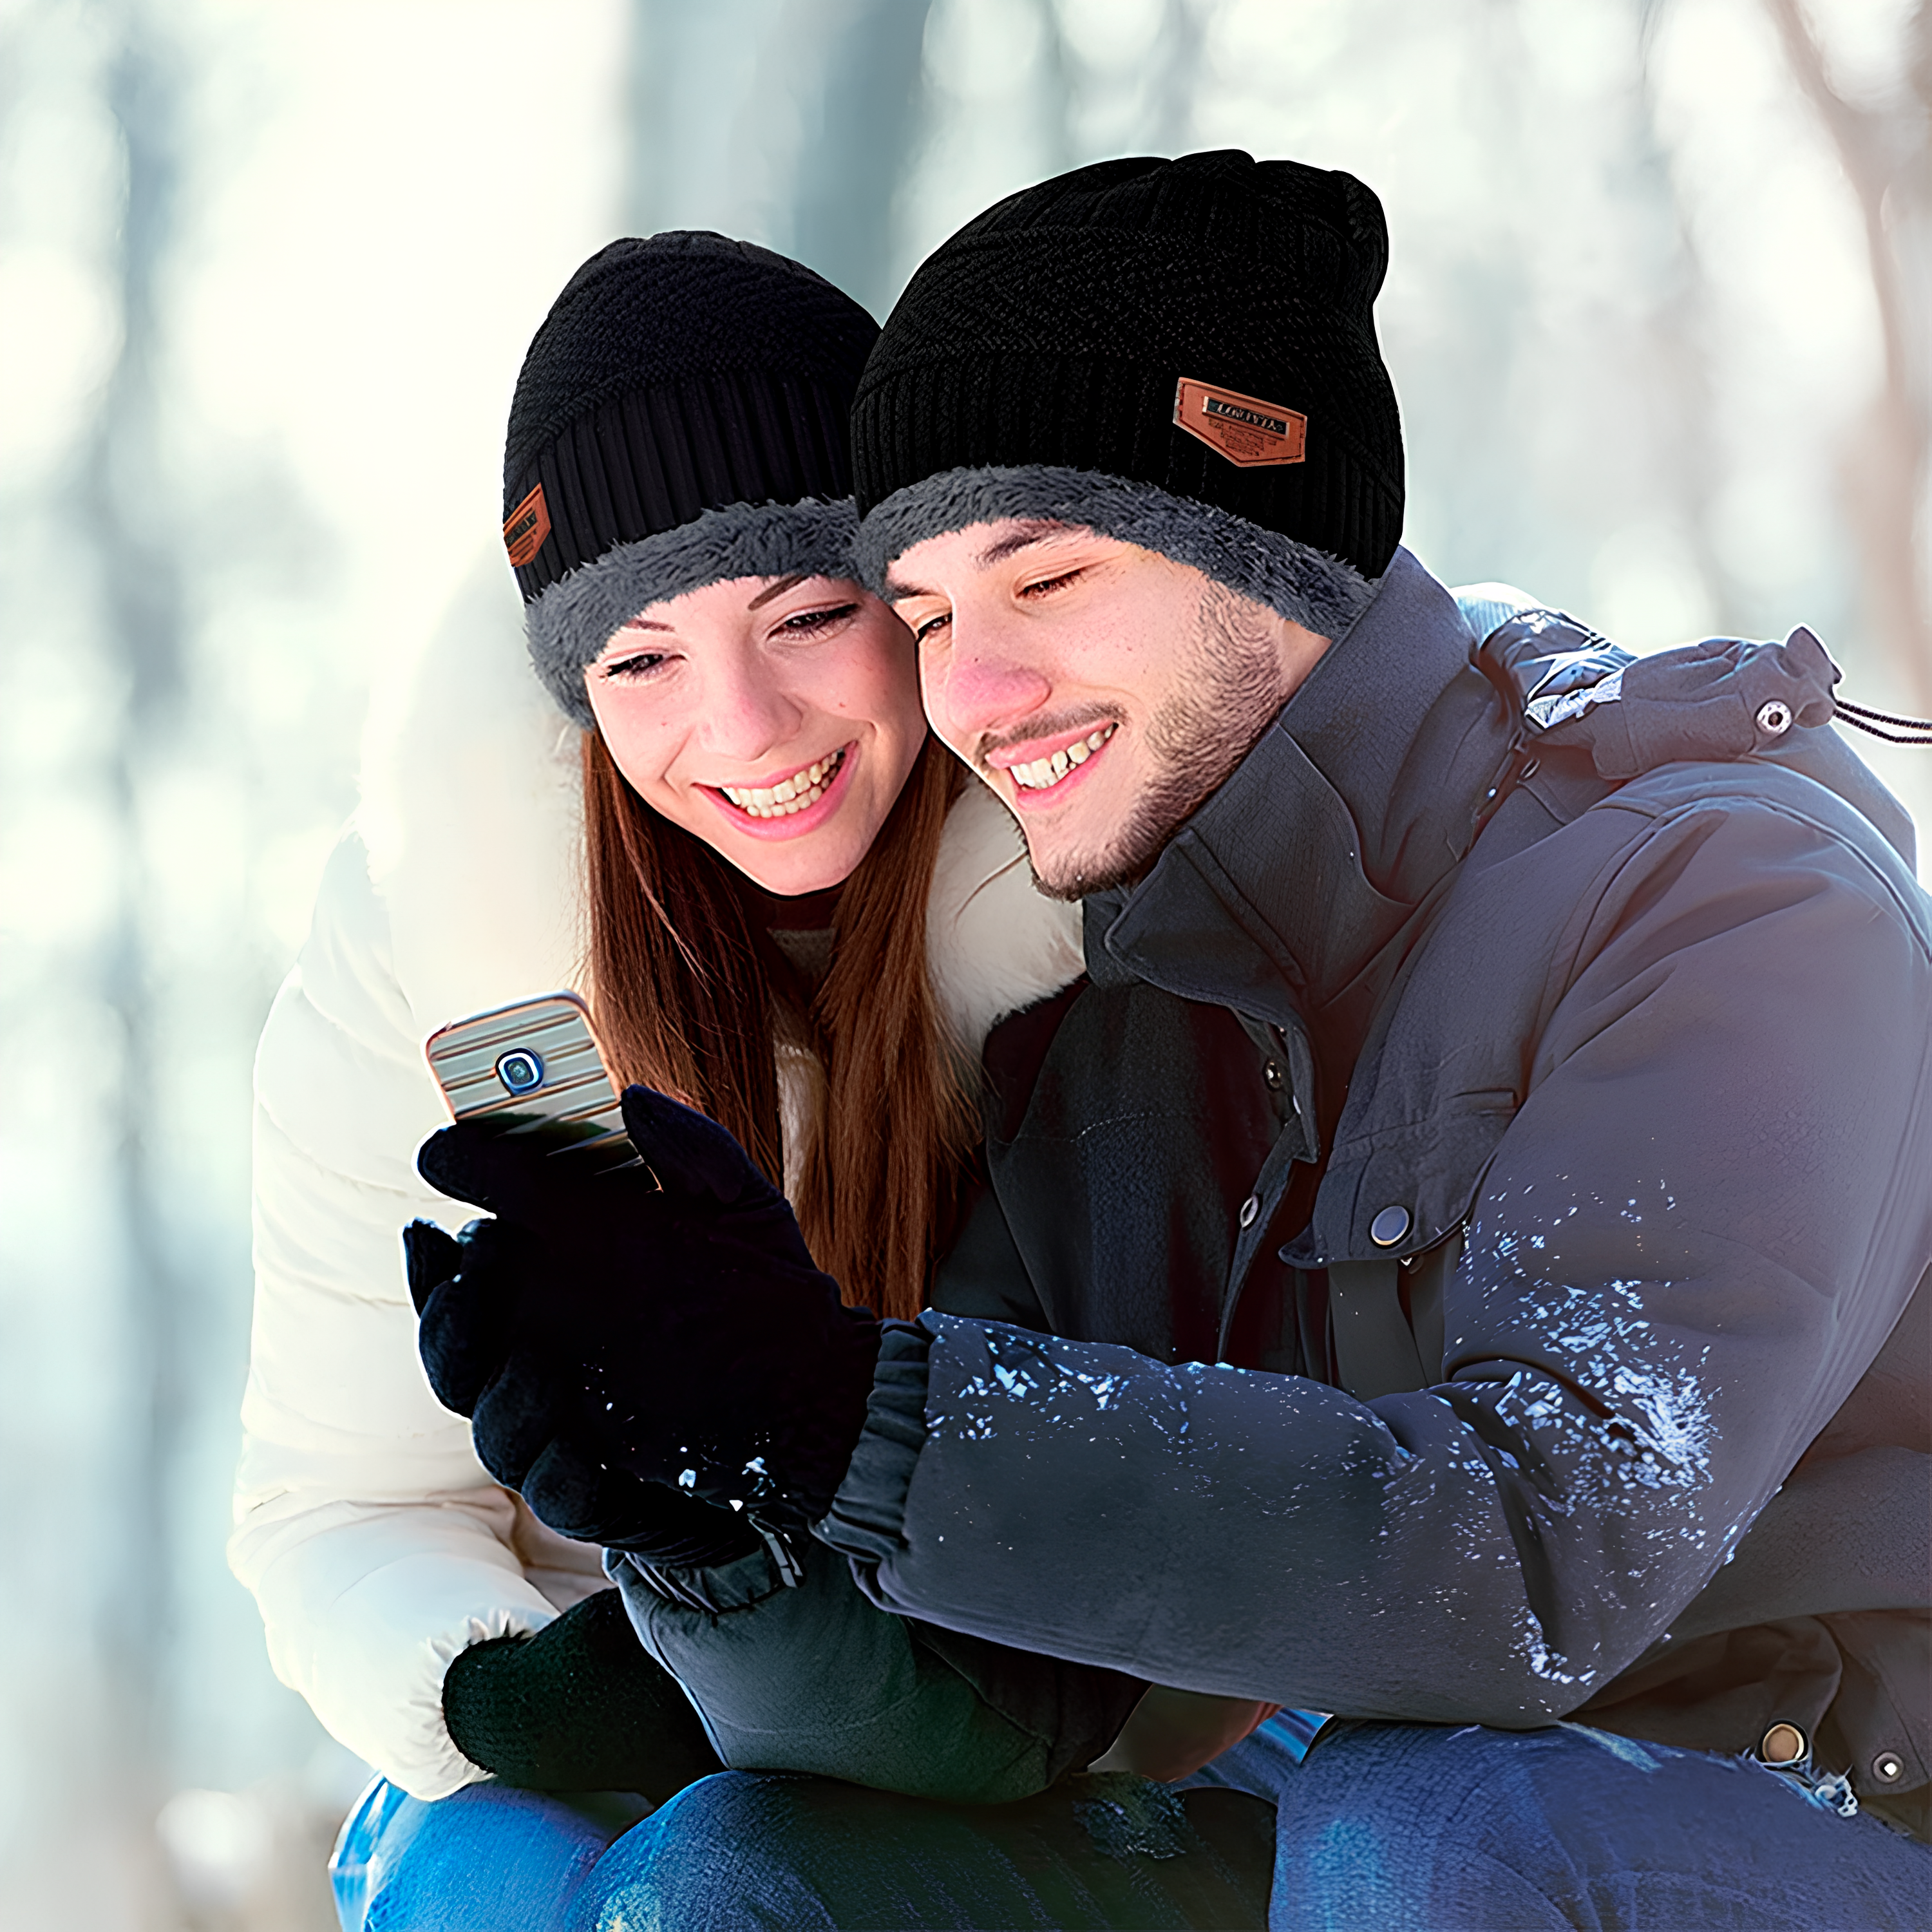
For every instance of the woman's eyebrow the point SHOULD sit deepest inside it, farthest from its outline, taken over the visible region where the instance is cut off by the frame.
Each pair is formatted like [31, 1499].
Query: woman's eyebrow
[777, 589]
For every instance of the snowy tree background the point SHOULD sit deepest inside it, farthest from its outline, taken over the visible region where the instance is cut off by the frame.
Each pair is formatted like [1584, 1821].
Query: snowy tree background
[1660, 319]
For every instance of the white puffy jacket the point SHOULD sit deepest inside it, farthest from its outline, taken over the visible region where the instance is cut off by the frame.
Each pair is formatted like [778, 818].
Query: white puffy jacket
[375, 1543]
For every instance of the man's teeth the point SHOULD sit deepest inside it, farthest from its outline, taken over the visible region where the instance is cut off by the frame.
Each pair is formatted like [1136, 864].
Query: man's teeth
[804, 787]
[1045, 772]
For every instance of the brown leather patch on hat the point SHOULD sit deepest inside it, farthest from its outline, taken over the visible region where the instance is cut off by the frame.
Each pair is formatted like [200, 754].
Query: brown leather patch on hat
[1247, 431]
[525, 528]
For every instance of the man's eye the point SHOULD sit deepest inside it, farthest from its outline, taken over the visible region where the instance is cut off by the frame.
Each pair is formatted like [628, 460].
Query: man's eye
[1045, 584]
[640, 664]
[927, 626]
[807, 621]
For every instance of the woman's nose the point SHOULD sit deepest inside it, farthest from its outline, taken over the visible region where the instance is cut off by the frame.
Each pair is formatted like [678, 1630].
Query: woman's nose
[747, 711]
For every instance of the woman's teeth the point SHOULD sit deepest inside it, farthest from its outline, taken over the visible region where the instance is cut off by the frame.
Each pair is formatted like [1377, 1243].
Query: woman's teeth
[804, 787]
[1045, 772]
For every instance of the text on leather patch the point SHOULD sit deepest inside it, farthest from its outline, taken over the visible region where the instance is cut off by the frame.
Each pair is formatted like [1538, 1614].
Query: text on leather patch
[525, 528]
[1246, 430]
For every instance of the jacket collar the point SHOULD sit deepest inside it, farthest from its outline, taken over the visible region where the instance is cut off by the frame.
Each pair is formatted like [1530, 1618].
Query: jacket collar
[1279, 895]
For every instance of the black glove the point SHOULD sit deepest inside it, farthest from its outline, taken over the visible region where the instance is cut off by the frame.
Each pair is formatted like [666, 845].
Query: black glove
[604, 1326]
[470, 1282]
[580, 1706]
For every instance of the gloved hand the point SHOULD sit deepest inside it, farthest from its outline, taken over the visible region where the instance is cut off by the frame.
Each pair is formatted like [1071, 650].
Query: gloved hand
[466, 1289]
[580, 1706]
[603, 1329]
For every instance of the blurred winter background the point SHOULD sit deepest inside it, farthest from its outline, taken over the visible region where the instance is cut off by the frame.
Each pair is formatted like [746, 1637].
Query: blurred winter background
[1660, 317]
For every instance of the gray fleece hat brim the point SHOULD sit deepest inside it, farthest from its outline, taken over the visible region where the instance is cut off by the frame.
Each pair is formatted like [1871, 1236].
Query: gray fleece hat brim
[1305, 585]
[568, 625]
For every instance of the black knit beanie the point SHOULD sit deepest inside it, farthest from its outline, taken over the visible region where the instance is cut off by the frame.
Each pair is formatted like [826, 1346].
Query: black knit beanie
[680, 418]
[1179, 353]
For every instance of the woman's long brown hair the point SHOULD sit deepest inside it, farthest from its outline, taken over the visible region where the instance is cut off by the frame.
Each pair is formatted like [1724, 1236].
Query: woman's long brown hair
[691, 999]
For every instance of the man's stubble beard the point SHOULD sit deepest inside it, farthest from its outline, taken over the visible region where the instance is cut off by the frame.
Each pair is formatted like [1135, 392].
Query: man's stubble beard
[1227, 695]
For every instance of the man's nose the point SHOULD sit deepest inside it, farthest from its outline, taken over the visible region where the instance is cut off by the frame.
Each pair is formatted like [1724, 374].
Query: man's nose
[987, 678]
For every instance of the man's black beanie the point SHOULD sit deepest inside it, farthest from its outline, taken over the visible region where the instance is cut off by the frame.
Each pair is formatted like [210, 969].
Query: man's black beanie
[1063, 330]
[680, 417]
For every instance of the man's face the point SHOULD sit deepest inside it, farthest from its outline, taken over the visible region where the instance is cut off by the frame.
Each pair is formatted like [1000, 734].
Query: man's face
[1101, 690]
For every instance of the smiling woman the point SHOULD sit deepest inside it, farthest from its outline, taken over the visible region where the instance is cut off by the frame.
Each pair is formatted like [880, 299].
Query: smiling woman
[674, 487]
[802, 919]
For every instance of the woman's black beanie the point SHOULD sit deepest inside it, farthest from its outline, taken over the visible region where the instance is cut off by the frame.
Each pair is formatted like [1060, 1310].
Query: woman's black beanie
[1201, 328]
[681, 417]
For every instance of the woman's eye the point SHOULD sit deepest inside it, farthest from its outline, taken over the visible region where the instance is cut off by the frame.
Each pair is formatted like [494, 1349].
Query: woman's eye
[640, 664]
[805, 623]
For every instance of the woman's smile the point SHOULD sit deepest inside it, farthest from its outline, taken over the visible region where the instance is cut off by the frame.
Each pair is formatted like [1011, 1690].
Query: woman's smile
[799, 801]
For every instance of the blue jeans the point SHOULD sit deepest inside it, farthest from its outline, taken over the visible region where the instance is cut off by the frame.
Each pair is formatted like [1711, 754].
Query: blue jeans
[1388, 1826]
[490, 1859]
[1399, 1827]
[1469, 1830]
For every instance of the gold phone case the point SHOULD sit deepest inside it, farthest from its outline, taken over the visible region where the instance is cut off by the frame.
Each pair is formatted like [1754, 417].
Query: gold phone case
[537, 1062]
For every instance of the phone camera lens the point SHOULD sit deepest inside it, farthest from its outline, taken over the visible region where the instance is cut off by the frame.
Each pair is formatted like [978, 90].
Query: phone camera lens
[521, 1071]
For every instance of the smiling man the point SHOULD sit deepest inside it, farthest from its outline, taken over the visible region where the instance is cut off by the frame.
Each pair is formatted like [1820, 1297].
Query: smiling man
[1579, 1304]
[1104, 690]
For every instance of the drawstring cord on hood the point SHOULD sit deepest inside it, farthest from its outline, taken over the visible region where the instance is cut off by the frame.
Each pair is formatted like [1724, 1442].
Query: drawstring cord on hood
[1911, 730]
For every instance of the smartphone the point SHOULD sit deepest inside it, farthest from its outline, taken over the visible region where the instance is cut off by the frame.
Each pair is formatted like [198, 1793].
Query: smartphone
[536, 1062]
